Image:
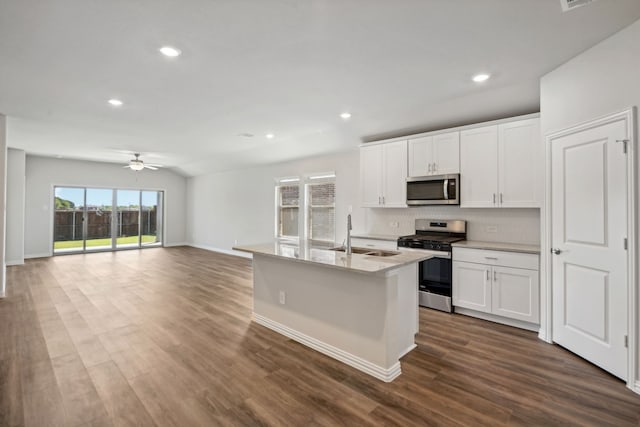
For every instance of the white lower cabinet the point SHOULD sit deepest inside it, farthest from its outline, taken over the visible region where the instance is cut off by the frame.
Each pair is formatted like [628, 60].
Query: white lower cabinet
[500, 283]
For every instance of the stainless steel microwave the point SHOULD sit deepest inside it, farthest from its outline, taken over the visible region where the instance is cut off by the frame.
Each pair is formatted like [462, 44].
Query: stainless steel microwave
[433, 190]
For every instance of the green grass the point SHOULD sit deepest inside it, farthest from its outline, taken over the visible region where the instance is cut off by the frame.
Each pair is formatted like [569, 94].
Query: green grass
[73, 244]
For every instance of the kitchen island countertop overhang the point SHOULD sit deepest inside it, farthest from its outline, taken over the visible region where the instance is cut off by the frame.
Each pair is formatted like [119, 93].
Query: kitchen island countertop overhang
[359, 309]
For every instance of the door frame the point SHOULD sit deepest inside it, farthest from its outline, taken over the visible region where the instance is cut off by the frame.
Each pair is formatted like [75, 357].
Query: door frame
[52, 190]
[546, 313]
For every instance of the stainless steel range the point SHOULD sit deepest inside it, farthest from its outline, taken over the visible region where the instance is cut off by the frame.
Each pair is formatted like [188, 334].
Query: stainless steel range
[434, 279]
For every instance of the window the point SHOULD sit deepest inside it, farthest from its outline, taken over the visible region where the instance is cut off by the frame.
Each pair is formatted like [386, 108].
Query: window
[317, 204]
[321, 207]
[288, 207]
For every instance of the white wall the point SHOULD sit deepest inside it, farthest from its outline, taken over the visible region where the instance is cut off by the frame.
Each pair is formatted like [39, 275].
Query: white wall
[602, 80]
[3, 200]
[16, 163]
[43, 173]
[239, 205]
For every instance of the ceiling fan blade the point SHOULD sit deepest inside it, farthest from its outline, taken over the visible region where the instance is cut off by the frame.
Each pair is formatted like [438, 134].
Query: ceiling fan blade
[127, 166]
[151, 167]
[155, 165]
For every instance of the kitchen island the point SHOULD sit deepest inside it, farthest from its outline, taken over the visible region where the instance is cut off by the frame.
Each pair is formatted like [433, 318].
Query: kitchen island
[360, 309]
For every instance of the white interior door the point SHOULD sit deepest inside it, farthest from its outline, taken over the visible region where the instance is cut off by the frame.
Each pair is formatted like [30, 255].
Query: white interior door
[589, 228]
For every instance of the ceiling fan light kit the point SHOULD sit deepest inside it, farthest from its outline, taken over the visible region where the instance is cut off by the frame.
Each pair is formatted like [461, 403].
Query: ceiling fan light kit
[138, 165]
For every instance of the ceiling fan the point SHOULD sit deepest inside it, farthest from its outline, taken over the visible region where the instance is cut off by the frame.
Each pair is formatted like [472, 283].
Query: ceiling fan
[137, 164]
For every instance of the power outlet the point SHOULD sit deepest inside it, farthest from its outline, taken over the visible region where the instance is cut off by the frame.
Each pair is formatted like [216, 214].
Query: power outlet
[491, 229]
[283, 297]
[394, 224]
[235, 242]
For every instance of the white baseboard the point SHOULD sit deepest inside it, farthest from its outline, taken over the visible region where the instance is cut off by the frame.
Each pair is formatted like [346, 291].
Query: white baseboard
[498, 319]
[18, 262]
[384, 374]
[169, 245]
[407, 350]
[637, 387]
[222, 251]
[42, 255]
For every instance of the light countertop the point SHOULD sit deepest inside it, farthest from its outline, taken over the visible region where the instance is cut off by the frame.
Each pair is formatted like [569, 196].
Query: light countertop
[312, 253]
[498, 246]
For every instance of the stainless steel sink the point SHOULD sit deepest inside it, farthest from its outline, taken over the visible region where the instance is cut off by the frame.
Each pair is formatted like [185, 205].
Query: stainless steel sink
[367, 251]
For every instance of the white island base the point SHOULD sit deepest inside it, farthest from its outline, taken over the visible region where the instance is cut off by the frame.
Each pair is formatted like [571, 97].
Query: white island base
[366, 320]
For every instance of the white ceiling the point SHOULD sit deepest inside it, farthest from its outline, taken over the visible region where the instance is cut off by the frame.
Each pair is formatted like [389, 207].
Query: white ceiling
[284, 66]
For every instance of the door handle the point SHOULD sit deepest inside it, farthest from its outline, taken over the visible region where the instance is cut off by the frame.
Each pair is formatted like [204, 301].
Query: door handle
[500, 198]
[495, 276]
[494, 198]
[491, 257]
[434, 167]
[446, 189]
[383, 202]
[429, 168]
[556, 251]
[488, 278]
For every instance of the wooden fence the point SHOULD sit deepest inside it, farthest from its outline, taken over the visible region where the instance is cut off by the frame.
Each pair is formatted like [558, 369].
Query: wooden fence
[68, 224]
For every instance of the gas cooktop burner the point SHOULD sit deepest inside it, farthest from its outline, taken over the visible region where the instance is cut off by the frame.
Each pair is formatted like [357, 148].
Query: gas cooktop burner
[435, 235]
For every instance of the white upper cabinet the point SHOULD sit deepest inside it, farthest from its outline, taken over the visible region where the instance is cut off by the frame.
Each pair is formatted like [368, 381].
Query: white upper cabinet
[383, 175]
[434, 155]
[479, 167]
[519, 151]
[499, 165]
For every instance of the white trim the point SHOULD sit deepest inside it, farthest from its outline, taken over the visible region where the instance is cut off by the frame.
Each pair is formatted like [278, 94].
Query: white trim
[222, 251]
[40, 255]
[453, 129]
[407, 350]
[497, 319]
[169, 245]
[386, 375]
[637, 387]
[628, 115]
[12, 263]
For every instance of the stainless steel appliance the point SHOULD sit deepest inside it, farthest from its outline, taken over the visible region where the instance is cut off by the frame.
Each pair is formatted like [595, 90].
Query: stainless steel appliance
[433, 190]
[434, 275]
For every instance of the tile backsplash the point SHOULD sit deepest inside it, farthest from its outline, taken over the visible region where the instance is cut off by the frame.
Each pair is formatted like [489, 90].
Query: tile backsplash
[490, 225]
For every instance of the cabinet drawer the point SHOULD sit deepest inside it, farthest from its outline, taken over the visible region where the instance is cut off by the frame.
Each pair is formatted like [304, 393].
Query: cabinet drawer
[373, 243]
[502, 258]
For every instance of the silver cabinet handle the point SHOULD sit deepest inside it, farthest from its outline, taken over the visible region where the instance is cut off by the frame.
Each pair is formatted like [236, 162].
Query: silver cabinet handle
[556, 251]
[379, 200]
[429, 168]
[434, 167]
[494, 198]
[500, 198]
[491, 257]
[383, 201]
[488, 278]
[495, 276]
[446, 189]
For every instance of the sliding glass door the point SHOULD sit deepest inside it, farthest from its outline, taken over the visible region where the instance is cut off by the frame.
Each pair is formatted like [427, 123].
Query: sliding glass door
[101, 219]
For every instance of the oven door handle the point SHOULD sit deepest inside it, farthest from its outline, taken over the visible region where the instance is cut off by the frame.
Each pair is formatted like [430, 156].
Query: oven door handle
[446, 189]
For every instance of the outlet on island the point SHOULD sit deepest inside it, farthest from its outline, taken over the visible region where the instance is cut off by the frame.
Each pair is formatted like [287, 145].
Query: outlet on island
[283, 297]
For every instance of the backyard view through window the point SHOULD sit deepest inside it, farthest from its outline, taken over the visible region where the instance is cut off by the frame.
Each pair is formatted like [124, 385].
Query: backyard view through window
[321, 206]
[306, 210]
[85, 220]
[288, 204]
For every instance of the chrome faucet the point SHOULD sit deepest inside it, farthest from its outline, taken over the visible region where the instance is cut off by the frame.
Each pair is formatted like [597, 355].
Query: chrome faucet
[348, 247]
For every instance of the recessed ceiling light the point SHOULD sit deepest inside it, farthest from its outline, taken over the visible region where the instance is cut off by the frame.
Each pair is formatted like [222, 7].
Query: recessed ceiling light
[345, 115]
[479, 78]
[170, 51]
[270, 136]
[115, 102]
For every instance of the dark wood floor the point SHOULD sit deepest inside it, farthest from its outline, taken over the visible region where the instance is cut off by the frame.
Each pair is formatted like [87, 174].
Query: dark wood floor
[164, 337]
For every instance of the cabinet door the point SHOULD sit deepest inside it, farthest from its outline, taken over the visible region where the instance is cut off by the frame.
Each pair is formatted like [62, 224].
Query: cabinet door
[471, 286]
[420, 156]
[371, 175]
[446, 153]
[519, 152]
[394, 185]
[515, 294]
[479, 167]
